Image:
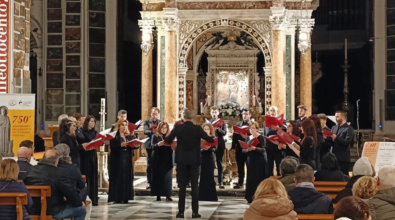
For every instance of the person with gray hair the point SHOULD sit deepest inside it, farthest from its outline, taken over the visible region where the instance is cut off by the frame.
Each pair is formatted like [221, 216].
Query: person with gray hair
[382, 205]
[287, 170]
[47, 173]
[55, 135]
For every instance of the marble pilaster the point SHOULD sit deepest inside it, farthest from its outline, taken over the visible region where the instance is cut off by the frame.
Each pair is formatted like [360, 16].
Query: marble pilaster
[170, 23]
[278, 20]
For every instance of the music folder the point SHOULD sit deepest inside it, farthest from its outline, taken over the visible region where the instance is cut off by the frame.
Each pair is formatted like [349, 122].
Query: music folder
[284, 137]
[204, 144]
[133, 127]
[95, 143]
[327, 133]
[274, 121]
[136, 143]
[252, 143]
[241, 130]
[152, 127]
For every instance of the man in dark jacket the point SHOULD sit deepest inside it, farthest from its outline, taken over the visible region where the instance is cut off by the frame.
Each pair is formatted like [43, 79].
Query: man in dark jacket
[219, 154]
[188, 160]
[47, 173]
[305, 198]
[287, 169]
[154, 120]
[341, 140]
[24, 156]
[273, 153]
[382, 205]
[241, 158]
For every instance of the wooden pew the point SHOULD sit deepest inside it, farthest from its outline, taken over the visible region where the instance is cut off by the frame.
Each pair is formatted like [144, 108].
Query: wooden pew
[330, 188]
[42, 192]
[315, 216]
[17, 199]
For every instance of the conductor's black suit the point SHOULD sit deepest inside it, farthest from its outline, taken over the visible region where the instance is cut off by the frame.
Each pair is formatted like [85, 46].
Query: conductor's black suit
[187, 158]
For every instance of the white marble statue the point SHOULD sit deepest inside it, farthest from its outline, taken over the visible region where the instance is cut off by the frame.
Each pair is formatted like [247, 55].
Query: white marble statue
[5, 147]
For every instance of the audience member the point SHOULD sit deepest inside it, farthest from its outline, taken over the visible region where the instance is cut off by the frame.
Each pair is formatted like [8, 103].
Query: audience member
[270, 202]
[55, 136]
[304, 197]
[365, 188]
[47, 173]
[29, 144]
[287, 170]
[353, 208]
[362, 167]
[24, 155]
[330, 170]
[8, 184]
[39, 142]
[73, 174]
[326, 146]
[382, 205]
[320, 140]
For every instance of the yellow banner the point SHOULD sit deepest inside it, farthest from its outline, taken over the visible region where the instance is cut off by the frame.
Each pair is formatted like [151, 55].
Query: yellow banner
[22, 127]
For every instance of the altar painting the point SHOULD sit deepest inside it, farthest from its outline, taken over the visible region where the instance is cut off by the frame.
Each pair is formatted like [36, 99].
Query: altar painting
[232, 88]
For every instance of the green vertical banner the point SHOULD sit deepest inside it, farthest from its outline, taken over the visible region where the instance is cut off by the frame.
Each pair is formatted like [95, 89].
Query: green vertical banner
[162, 77]
[288, 79]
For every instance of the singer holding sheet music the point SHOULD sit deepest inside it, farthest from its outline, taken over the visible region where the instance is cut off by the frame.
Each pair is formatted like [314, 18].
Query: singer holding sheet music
[121, 165]
[308, 143]
[219, 153]
[292, 129]
[274, 152]
[241, 158]
[207, 190]
[89, 166]
[256, 162]
[149, 132]
[188, 148]
[162, 164]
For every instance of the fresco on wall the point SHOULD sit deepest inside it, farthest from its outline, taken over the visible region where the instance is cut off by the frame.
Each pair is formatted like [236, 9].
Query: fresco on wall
[54, 65]
[73, 47]
[73, 33]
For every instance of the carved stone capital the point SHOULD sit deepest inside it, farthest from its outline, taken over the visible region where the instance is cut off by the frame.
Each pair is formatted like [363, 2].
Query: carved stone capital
[290, 26]
[146, 25]
[278, 22]
[306, 25]
[170, 21]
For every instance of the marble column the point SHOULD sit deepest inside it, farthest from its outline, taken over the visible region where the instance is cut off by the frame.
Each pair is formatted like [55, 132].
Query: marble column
[278, 59]
[171, 105]
[306, 94]
[146, 71]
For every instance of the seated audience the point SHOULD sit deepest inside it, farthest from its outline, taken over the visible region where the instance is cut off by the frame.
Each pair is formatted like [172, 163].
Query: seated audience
[39, 142]
[55, 135]
[362, 167]
[47, 173]
[287, 170]
[270, 202]
[9, 171]
[305, 198]
[353, 208]
[330, 170]
[365, 188]
[24, 155]
[73, 173]
[382, 205]
[29, 144]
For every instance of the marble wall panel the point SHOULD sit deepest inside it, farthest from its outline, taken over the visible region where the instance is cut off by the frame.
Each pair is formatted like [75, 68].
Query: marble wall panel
[17, 73]
[27, 29]
[27, 59]
[26, 74]
[27, 17]
[19, 23]
[22, 11]
[27, 47]
[19, 60]
[17, 10]
[27, 87]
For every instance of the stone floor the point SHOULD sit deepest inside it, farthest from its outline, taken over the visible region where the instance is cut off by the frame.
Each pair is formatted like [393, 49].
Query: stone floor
[146, 207]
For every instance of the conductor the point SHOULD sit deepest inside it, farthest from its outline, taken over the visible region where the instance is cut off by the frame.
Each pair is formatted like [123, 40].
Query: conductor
[187, 158]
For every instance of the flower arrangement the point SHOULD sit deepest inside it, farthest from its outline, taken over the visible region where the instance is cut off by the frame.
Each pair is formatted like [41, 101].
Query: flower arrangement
[230, 109]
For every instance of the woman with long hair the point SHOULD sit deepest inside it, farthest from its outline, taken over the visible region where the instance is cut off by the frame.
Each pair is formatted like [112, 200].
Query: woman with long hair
[207, 190]
[256, 161]
[9, 171]
[79, 124]
[308, 143]
[270, 202]
[121, 165]
[89, 166]
[162, 164]
[320, 140]
[67, 136]
[292, 150]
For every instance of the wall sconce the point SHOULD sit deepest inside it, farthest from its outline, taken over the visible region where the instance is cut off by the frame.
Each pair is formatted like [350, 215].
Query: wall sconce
[303, 43]
[40, 71]
[146, 46]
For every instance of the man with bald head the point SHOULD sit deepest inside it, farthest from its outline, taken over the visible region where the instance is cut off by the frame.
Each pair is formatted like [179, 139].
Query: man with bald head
[24, 157]
[47, 173]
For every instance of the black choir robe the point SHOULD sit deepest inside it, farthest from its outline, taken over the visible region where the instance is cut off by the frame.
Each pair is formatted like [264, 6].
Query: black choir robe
[256, 167]
[121, 170]
[207, 190]
[162, 168]
[74, 146]
[89, 166]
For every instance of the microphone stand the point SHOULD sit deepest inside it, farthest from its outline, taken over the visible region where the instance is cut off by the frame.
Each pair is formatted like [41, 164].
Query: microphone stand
[358, 128]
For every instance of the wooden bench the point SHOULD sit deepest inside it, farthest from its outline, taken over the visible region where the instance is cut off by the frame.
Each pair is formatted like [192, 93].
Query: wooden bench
[315, 216]
[17, 199]
[330, 188]
[42, 192]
